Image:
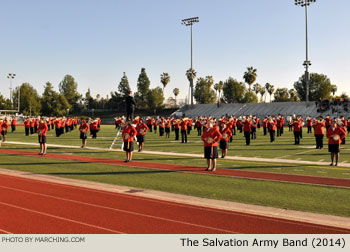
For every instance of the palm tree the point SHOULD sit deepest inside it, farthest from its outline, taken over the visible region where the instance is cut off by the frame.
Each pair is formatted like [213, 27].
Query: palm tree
[256, 88]
[191, 75]
[250, 76]
[176, 92]
[292, 94]
[271, 90]
[334, 89]
[218, 87]
[262, 92]
[164, 79]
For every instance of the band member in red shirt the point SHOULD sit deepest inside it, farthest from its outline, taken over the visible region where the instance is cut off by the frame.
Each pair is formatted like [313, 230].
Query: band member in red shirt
[42, 134]
[128, 134]
[343, 125]
[4, 129]
[211, 136]
[247, 127]
[328, 122]
[177, 128]
[13, 124]
[149, 123]
[334, 135]
[155, 124]
[319, 132]
[309, 124]
[265, 123]
[94, 129]
[189, 126]
[348, 127]
[272, 123]
[27, 126]
[161, 126]
[141, 129]
[167, 127]
[226, 133]
[198, 124]
[254, 126]
[280, 122]
[297, 125]
[1, 122]
[83, 128]
[58, 127]
[32, 123]
[183, 125]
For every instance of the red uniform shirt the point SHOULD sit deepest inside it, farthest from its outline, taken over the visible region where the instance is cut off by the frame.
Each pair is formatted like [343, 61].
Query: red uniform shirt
[84, 127]
[141, 129]
[336, 131]
[42, 129]
[296, 126]
[247, 126]
[226, 131]
[183, 125]
[319, 128]
[13, 122]
[94, 126]
[211, 133]
[4, 126]
[272, 125]
[128, 133]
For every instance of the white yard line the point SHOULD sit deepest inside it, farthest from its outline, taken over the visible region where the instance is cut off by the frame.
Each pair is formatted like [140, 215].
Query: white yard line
[269, 160]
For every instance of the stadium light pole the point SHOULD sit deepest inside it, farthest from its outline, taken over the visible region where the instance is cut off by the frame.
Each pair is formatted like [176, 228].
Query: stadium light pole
[11, 76]
[307, 62]
[189, 22]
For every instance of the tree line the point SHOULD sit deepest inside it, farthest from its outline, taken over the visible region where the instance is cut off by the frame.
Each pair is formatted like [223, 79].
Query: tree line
[68, 100]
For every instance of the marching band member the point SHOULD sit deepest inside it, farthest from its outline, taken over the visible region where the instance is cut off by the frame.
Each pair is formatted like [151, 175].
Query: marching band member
[229, 125]
[297, 125]
[348, 127]
[272, 122]
[94, 128]
[32, 123]
[265, 125]
[128, 134]
[183, 125]
[328, 122]
[155, 123]
[234, 125]
[290, 125]
[254, 126]
[42, 134]
[247, 127]
[58, 127]
[149, 123]
[161, 124]
[226, 133]
[280, 123]
[309, 124]
[4, 128]
[344, 125]
[1, 122]
[27, 126]
[13, 124]
[189, 126]
[319, 132]
[302, 125]
[167, 127]
[198, 124]
[83, 128]
[36, 124]
[177, 128]
[239, 124]
[141, 129]
[334, 135]
[210, 137]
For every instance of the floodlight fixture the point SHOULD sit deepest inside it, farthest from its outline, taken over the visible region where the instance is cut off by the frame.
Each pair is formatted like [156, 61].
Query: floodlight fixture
[11, 76]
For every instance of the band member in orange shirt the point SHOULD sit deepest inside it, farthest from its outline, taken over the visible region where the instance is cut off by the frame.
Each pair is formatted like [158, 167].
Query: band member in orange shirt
[335, 135]
[309, 124]
[128, 134]
[177, 128]
[272, 123]
[211, 136]
[42, 134]
[319, 126]
[141, 129]
[1, 122]
[226, 133]
[83, 128]
[167, 127]
[27, 126]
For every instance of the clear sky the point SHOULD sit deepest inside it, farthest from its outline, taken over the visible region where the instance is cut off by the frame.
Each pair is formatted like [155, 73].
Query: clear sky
[97, 40]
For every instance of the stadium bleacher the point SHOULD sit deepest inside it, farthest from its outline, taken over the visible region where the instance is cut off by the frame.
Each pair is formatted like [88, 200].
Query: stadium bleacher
[304, 109]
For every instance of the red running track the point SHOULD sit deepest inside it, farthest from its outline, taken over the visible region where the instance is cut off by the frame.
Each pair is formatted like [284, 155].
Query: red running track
[224, 172]
[36, 207]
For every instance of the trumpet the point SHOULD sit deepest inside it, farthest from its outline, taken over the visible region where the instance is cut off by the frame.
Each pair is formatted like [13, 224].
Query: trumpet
[340, 122]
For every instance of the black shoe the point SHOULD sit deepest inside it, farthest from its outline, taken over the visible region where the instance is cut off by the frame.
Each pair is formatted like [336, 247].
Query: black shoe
[126, 161]
[331, 164]
[336, 164]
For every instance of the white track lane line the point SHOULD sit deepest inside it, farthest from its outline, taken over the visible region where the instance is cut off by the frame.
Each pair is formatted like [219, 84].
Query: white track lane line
[118, 210]
[256, 216]
[60, 218]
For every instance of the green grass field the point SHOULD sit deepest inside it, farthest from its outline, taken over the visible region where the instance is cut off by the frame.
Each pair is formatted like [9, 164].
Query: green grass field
[320, 199]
